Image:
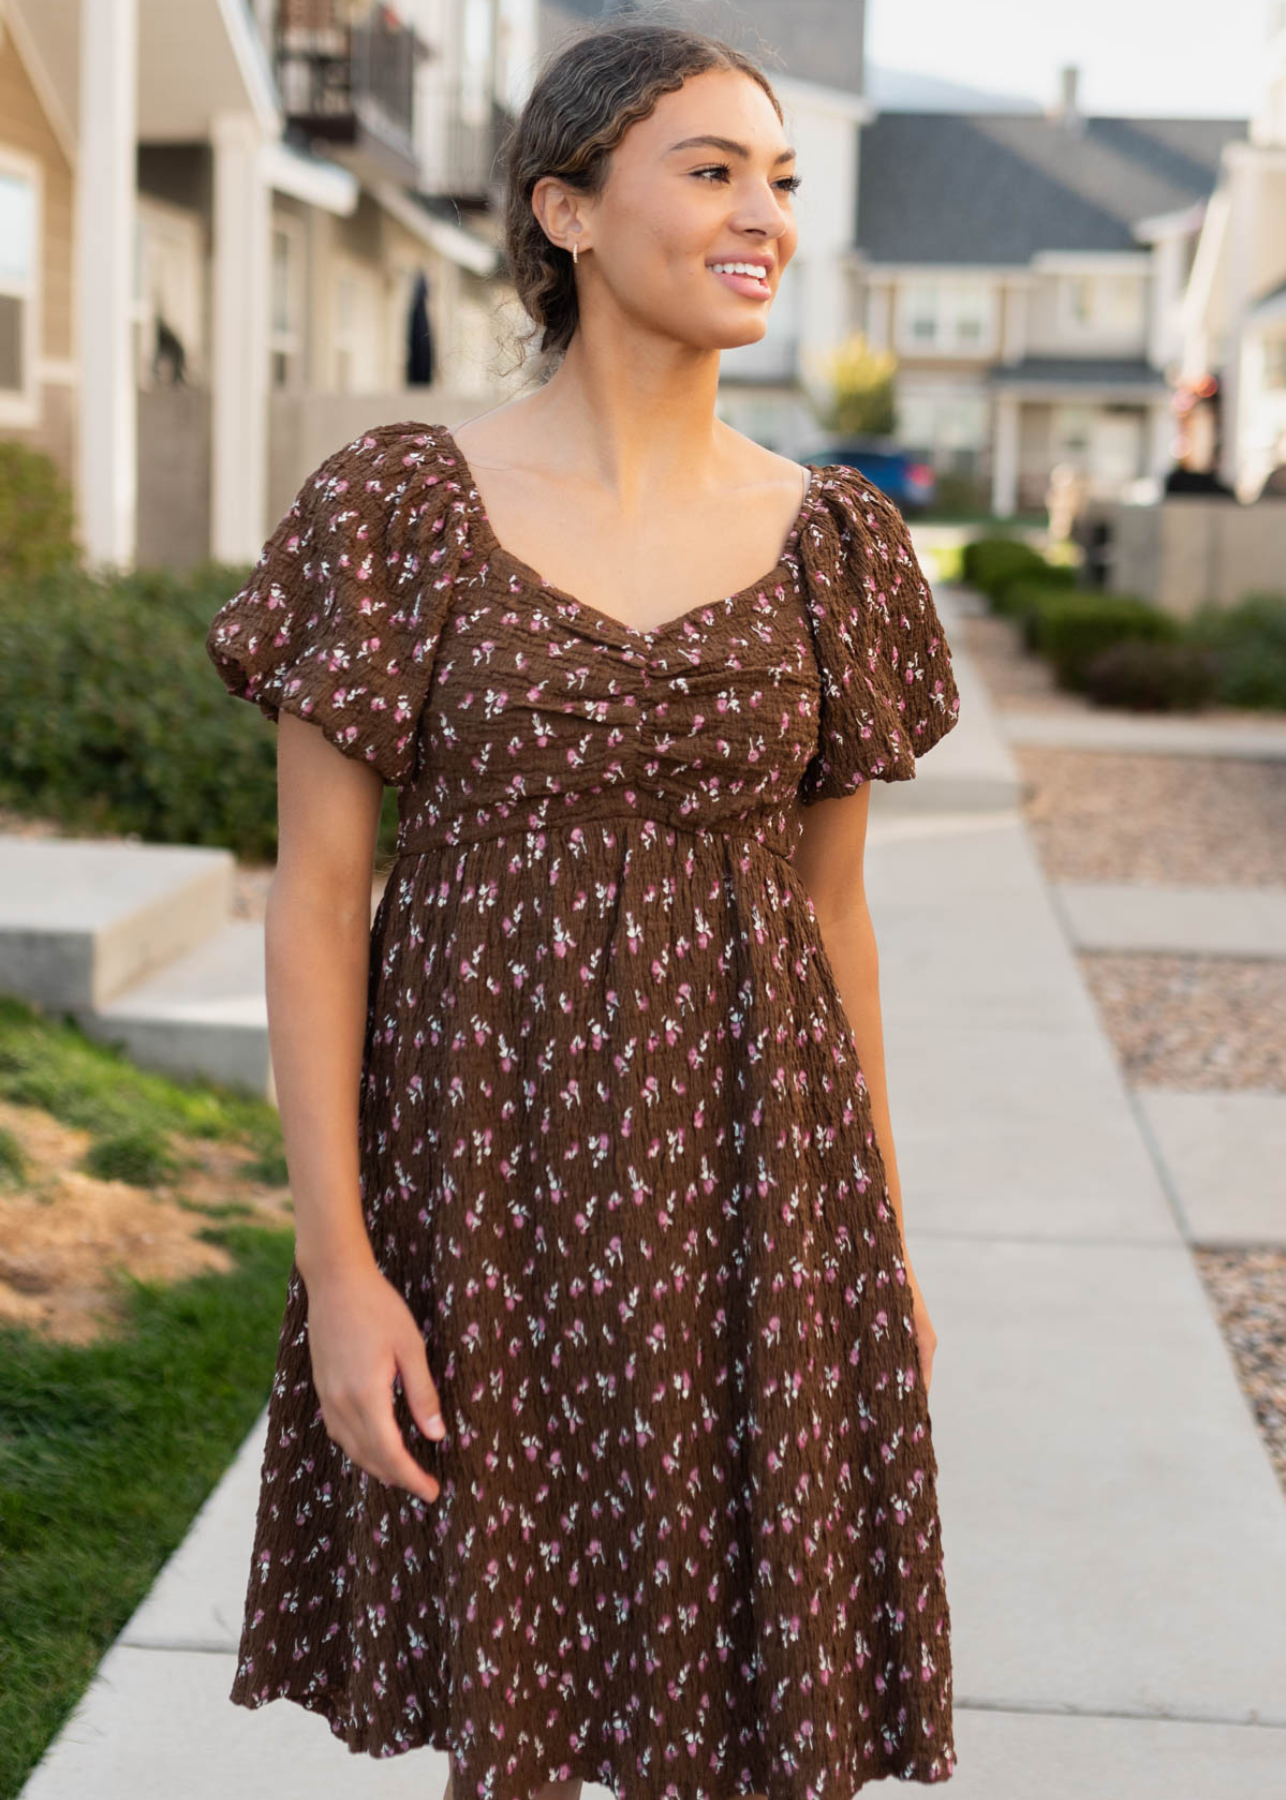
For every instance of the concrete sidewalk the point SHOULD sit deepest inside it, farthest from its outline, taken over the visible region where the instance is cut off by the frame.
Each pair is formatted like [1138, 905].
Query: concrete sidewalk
[1115, 1537]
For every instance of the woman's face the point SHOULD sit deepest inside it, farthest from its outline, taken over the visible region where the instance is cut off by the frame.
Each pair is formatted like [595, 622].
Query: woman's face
[671, 210]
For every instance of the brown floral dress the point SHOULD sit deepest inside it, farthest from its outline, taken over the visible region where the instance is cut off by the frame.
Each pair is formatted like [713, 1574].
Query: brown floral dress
[617, 1153]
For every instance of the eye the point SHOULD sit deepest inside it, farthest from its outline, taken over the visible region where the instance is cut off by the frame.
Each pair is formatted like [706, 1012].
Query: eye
[788, 183]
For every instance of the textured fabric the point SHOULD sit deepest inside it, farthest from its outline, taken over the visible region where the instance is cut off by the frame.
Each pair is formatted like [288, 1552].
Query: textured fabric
[617, 1152]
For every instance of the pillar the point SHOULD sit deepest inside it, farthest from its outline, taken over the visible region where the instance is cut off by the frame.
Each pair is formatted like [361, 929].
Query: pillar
[239, 384]
[106, 226]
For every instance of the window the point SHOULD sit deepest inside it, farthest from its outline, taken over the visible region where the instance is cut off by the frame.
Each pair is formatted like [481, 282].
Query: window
[947, 318]
[357, 331]
[1108, 304]
[286, 335]
[19, 287]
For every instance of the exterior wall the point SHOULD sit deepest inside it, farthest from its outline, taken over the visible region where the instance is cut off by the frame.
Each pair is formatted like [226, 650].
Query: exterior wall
[25, 131]
[1185, 551]
[173, 477]
[1053, 331]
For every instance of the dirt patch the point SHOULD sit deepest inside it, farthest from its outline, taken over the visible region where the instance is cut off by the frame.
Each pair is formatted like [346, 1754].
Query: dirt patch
[61, 1230]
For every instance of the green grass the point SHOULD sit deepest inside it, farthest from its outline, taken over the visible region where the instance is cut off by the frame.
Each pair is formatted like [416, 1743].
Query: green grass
[109, 1449]
[107, 1452]
[131, 1113]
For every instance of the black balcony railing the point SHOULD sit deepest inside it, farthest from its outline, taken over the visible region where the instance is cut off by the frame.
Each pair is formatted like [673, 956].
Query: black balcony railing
[334, 77]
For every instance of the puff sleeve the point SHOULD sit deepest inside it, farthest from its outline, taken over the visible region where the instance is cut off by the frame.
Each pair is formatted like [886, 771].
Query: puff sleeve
[888, 690]
[341, 615]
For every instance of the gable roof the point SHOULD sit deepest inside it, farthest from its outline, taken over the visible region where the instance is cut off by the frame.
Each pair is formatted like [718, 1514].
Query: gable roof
[998, 187]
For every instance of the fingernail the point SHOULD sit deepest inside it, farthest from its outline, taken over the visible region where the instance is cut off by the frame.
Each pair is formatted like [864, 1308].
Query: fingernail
[437, 1426]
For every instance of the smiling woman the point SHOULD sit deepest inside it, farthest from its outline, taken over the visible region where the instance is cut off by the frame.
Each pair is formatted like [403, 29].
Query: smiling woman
[599, 1446]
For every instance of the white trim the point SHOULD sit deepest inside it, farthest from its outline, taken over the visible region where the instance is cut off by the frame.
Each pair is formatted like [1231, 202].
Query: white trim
[1092, 262]
[458, 246]
[252, 62]
[311, 179]
[38, 76]
[875, 270]
[21, 406]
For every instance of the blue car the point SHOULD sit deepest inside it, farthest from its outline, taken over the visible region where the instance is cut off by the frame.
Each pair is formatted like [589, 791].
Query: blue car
[903, 475]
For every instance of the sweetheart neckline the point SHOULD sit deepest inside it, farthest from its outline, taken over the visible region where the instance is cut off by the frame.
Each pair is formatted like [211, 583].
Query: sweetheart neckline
[498, 551]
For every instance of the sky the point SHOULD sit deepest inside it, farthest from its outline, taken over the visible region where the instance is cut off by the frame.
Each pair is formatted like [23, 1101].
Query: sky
[1148, 58]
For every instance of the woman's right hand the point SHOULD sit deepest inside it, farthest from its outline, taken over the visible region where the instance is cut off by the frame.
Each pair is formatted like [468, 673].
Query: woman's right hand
[362, 1333]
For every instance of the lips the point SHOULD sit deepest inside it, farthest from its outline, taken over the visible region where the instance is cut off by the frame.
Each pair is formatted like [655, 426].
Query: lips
[753, 287]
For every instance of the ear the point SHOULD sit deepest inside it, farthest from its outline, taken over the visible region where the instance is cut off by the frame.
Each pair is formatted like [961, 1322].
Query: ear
[558, 212]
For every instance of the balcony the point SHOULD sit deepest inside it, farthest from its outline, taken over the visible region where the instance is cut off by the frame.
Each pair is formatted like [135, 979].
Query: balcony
[461, 143]
[351, 85]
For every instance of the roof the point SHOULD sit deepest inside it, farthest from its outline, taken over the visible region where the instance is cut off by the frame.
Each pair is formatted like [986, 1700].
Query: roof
[812, 40]
[999, 187]
[1090, 371]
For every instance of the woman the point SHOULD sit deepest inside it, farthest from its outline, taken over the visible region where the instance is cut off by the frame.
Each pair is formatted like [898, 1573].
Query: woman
[599, 1446]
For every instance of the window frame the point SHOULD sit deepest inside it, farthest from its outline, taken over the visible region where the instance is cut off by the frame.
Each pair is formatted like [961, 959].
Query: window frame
[288, 342]
[20, 406]
[946, 314]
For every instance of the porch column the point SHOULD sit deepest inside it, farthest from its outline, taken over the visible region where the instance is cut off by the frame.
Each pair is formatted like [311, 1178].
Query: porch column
[1004, 456]
[106, 182]
[1160, 449]
[239, 386]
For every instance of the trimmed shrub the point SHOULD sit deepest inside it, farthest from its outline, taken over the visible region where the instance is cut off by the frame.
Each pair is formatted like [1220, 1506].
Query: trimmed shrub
[1248, 643]
[1022, 600]
[1072, 629]
[990, 564]
[116, 720]
[1147, 676]
[37, 518]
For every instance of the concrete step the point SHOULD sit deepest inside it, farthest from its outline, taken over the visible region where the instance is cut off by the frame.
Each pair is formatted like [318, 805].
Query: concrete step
[82, 919]
[1178, 918]
[204, 1013]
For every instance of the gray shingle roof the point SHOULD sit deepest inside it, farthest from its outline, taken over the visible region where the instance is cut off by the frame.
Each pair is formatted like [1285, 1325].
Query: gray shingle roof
[998, 187]
[1099, 371]
[815, 40]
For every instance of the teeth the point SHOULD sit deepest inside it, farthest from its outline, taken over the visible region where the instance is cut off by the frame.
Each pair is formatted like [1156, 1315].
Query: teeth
[739, 268]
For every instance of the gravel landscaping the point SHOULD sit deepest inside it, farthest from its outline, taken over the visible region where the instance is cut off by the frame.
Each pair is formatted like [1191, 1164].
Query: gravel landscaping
[1208, 1022]
[1099, 816]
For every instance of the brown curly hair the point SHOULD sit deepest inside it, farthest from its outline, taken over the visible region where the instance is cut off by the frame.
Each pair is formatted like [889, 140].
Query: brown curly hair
[586, 96]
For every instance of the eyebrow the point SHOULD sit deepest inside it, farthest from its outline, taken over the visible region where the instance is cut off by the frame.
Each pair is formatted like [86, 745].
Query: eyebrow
[730, 145]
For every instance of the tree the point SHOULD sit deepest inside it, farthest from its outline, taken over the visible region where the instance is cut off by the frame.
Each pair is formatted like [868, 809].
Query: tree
[860, 382]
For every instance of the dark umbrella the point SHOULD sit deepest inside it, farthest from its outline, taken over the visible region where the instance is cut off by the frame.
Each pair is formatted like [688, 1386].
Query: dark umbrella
[419, 353]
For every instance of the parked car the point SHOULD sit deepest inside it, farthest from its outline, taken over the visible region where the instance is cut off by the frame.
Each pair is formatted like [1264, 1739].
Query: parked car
[905, 476]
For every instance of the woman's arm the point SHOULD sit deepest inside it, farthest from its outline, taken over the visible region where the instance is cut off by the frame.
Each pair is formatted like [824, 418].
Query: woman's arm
[317, 942]
[830, 858]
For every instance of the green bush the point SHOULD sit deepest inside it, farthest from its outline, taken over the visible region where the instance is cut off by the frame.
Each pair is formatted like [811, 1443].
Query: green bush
[990, 563]
[1073, 628]
[1248, 644]
[1147, 676]
[37, 518]
[1023, 599]
[116, 720]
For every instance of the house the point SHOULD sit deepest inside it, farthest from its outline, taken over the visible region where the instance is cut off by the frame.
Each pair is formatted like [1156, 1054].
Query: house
[217, 217]
[1233, 322]
[1029, 271]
